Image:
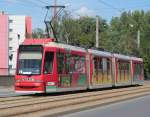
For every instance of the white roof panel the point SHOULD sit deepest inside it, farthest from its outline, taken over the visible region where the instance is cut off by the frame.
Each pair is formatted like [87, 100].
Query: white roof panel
[65, 46]
[100, 53]
[136, 59]
[120, 56]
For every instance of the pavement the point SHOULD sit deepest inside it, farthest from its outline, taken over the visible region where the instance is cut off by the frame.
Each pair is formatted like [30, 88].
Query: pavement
[6, 91]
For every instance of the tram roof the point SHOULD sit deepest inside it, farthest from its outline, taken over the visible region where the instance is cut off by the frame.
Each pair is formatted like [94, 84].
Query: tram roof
[123, 57]
[49, 42]
[100, 53]
[136, 59]
[65, 46]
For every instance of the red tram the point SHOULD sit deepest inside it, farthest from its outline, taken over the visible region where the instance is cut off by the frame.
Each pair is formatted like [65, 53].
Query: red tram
[46, 66]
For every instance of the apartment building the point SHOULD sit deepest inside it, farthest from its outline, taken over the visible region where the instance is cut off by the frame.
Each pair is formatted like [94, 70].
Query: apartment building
[13, 30]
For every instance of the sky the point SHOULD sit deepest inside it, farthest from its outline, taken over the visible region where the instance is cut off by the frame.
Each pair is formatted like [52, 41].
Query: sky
[103, 8]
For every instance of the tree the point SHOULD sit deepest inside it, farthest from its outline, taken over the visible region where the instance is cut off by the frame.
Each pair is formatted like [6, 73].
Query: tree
[118, 36]
[38, 33]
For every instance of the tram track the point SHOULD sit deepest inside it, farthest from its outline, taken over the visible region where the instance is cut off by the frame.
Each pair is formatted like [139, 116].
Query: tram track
[6, 99]
[34, 106]
[32, 99]
[80, 106]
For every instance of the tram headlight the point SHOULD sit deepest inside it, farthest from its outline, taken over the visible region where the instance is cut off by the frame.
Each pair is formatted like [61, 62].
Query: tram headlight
[18, 80]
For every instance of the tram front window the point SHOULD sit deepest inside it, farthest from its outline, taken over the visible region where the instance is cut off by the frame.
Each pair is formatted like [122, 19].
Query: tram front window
[29, 59]
[29, 63]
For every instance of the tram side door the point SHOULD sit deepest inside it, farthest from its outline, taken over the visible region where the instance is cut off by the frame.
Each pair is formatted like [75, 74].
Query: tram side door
[48, 69]
[64, 78]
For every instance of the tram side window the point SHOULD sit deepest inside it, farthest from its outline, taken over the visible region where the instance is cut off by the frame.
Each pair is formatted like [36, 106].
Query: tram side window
[72, 63]
[48, 62]
[80, 64]
[100, 64]
[95, 62]
[60, 63]
[77, 64]
[142, 72]
[102, 67]
[67, 63]
[120, 69]
[138, 69]
[127, 69]
[104, 64]
[106, 71]
[108, 66]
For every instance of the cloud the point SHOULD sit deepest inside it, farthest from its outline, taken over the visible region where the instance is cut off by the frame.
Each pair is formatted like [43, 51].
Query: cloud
[84, 11]
[11, 1]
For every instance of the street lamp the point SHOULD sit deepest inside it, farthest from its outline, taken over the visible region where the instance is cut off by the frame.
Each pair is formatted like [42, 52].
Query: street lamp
[138, 36]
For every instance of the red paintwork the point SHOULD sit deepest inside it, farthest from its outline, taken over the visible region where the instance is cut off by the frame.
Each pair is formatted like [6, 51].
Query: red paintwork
[91, 68]
[26, 85]
[53, 77]
[37, 41]
[28, 25]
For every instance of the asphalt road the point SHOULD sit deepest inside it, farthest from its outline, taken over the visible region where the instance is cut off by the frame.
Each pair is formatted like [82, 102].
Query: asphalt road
[139, 107]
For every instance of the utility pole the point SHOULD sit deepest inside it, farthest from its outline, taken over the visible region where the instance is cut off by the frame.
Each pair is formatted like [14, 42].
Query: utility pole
[138, 39]
[55, 9]
[97, 31]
